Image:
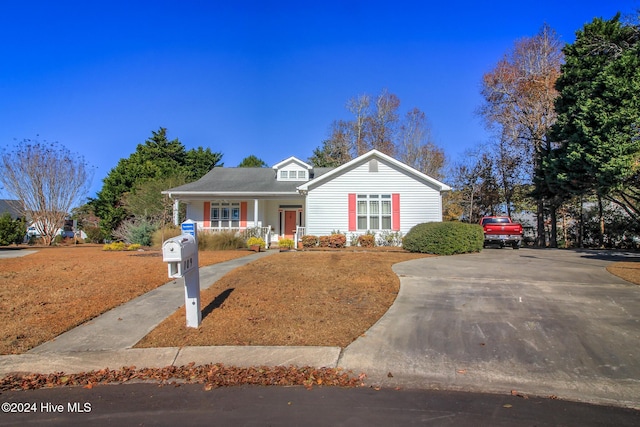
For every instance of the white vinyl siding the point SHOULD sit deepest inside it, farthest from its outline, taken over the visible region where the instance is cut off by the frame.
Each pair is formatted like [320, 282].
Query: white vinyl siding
[327, 204]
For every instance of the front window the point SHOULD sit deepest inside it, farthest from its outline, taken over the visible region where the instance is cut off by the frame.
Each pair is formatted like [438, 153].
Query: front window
[225, 215]
[374, 211]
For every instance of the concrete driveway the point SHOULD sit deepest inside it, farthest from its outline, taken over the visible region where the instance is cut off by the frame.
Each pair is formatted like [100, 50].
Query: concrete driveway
[539, 322]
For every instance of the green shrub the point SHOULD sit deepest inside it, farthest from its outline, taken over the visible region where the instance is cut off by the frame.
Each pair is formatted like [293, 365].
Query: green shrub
[141, 233]
[309, 241]
[444, 238]
[135, 230]
[367, 240]
[94, 234]
[11, 230]
[286, 243]
[221, 241]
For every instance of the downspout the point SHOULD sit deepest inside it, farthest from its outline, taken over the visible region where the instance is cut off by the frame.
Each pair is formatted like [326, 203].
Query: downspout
[176, 211]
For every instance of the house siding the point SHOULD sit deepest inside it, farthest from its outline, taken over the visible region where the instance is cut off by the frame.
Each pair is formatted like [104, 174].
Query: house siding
[328, 204]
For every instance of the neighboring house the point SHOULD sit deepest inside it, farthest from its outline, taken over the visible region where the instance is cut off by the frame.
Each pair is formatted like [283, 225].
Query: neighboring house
[373, 192]
[12, 206]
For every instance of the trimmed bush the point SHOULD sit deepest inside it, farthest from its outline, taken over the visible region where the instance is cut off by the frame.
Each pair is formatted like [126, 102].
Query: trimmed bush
[444, 238]
[337, 240]
[309, 241]
[324, 241]
[115, 246]
[286, 243]
[256, 241]
[367, 240]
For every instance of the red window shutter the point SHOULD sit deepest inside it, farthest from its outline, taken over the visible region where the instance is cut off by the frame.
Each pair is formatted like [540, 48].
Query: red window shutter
[243, 214]
[352, 212]
[206, 215]
[395, 211]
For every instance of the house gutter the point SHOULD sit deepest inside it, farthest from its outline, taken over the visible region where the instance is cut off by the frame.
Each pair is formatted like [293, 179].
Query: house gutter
[228, 194]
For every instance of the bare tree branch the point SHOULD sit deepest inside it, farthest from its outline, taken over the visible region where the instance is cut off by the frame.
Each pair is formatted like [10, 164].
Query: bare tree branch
[48, 180]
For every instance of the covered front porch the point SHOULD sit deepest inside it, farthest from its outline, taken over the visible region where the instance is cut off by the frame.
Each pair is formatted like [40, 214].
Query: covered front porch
[270, 218]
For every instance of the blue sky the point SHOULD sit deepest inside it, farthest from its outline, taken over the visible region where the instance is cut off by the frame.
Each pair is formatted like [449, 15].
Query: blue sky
[261, 78]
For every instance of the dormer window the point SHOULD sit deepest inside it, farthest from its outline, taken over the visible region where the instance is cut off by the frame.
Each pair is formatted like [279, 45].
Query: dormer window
[292, 169]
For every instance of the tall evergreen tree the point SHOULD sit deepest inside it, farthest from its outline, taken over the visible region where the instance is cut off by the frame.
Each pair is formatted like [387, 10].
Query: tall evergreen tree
[252, 162]
[157, 159]
[599, 115]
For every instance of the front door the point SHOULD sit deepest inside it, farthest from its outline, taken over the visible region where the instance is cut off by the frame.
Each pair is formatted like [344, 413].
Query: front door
[289, 224]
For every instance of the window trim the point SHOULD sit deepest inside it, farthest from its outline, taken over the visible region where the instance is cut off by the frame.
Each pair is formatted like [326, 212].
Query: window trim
[225, 215]
[367, 219]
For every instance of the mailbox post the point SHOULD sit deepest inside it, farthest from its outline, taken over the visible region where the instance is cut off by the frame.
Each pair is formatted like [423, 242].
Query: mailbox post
[181, 254]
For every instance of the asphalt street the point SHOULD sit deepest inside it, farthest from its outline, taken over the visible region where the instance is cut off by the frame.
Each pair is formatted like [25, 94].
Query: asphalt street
[190, 405]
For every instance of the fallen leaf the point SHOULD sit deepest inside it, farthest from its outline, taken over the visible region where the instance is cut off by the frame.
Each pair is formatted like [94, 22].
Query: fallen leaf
[515, 393]
[462, 371]
[506, 405]
[390, 375]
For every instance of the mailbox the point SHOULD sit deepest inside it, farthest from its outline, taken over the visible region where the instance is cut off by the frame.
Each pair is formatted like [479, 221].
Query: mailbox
[181, 254]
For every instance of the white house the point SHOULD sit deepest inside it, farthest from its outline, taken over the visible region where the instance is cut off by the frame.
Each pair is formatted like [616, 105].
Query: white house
[373, 192]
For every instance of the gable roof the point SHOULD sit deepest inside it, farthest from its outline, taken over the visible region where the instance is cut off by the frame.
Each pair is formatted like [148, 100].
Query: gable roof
[292, 159]
[374, 154]
[262, 182]
[227, 182]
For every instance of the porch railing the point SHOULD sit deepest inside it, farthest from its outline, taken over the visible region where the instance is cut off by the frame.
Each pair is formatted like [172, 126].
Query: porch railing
[245, 233]
[300, 231]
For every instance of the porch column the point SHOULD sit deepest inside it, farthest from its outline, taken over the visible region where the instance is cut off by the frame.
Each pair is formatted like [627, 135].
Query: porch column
[255, 212]
[176, 212]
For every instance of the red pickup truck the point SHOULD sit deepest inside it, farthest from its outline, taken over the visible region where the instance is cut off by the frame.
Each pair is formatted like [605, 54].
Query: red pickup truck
[500, 230]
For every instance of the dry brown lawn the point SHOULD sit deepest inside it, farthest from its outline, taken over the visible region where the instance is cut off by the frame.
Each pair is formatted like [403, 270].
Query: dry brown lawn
[627, 270]
[49, 292]
[290, 298]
